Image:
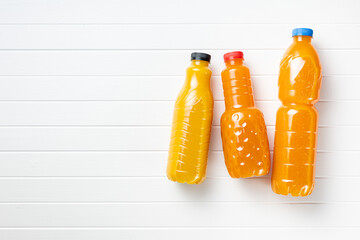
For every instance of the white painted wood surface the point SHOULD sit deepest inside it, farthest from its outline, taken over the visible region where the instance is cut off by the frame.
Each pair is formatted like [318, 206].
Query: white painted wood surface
[86, 96]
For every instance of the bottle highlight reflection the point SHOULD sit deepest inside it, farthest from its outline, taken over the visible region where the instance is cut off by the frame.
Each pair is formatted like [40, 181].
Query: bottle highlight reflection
[297, 119]
[191, 125]
[243, 130]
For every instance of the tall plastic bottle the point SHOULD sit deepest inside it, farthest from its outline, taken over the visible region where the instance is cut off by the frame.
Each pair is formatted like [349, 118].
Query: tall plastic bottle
[191, 125]
[243, 130]
[297, 118]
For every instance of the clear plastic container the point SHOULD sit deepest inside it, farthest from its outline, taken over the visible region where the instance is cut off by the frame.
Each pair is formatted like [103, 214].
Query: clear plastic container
[297, 119]
[191, 125]
[243, 130]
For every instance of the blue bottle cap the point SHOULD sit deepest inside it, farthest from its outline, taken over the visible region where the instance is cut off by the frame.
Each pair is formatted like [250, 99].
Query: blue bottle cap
[302, 32]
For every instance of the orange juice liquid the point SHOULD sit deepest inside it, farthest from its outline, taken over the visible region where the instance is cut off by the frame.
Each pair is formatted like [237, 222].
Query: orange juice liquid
[191, 126]
[297, 120]
[243, 130]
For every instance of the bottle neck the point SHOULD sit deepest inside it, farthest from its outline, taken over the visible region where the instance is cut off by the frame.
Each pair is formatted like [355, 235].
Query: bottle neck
[198, 74]
[304, 39]
[237, 85]
[199, 63]
[234, 62]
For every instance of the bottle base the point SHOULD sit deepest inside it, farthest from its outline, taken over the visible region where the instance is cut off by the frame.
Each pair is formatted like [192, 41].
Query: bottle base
[195, 180]
[286, 187]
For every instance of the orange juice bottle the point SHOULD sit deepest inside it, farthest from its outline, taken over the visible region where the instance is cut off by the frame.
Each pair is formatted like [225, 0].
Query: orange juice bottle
[243, 130]
[191, 125]
[297, 118]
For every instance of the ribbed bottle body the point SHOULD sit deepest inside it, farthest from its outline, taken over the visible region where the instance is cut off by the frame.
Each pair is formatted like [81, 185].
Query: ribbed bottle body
[297, 120]
[243, 130]
[191, 128]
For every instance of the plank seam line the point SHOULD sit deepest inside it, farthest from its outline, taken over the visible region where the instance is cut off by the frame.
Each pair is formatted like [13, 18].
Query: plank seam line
[188, 202]
[175, 23]
[143, 126]
[140, 151]
[170, 227]
[160, 49]
[153, 76]
[163, 49]
[274, 100]
[151, 177]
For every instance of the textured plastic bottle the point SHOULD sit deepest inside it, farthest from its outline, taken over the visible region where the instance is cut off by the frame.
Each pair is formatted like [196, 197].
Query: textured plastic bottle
[296, 120]
[243, 130]
[191, 125]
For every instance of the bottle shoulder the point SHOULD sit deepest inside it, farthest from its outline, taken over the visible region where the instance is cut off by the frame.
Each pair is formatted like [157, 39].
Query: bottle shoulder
[195, 68]
[301, 50]
[235, 71]
[300, 75]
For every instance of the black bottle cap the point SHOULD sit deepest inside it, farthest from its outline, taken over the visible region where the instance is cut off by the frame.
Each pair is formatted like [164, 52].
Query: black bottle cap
[200, 56]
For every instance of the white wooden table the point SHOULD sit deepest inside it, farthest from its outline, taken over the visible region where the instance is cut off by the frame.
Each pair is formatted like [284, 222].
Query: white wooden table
[86, 97]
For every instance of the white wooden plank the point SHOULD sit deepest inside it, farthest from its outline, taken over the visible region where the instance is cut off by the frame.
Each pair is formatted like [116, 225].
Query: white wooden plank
[162, 190]
[255, 233]
[180, 215]
[140, 138]
[141, 113]
[243, 36]
[97, 87]
[150, 88]
[142, 164]
[162, 11]
[155, 62]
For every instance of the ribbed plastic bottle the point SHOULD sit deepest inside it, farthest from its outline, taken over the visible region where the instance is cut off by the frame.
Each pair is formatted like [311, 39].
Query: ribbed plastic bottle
[191, 125]
[297, 118]
[243, 130]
